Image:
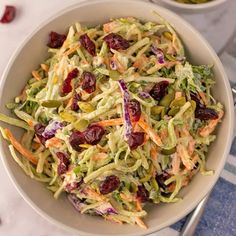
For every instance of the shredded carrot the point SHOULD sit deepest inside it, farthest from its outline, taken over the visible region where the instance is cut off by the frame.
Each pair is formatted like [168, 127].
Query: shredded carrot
[36, 75]
[23, 151]
[184, 156]
[69, 103]
[175, 163]
[30, 123]
[171, 188]
[138, 205]
[140, 223]
[108, 27]
[146, 138]
[191, 146]
[71, 50]
[111, 122]
[45, 67]
[35, 145]
[84, 62]
[163, 134]
[205, 131]
[153, 135]
[36, 139]
[153, 153]
[203, 97]
[195, 158]
[53, 142]
[136, 127]
[93, 194]
[101, 148]
[140, 62]
[185, 131]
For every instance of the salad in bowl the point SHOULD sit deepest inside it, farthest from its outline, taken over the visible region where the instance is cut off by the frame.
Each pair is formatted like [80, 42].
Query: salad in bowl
[116, 117]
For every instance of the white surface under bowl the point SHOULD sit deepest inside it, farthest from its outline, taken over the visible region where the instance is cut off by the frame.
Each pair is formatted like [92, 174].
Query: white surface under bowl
[34, 50]
[191, 8]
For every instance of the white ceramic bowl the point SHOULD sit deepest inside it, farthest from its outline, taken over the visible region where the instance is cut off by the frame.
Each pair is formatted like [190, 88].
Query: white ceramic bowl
[191, 8]
[34, 50]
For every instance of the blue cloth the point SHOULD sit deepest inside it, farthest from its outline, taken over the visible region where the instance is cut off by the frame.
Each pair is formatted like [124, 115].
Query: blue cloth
[219, 218]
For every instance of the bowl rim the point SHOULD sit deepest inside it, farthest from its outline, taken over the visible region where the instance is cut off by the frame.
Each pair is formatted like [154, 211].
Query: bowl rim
[202, 6]
[228, 139]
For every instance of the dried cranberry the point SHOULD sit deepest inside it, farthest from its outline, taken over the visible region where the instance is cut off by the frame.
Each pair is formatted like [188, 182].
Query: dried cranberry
[195, 97]
[9, 14]
[203, 113]
[134, 110]
[39, 129]
[88, 44]
[63, 163]
[162, 178]
[116, 41]
[135, 139]
[56, 40]
[142, 194]
[76, 139]
[66, 86]
[110, 184]
[159, 90]
[93, 134]
[73, 74]
[88, 82]
[74, 106]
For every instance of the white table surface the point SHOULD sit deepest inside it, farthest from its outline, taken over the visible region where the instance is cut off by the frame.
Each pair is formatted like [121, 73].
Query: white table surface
[16, 216]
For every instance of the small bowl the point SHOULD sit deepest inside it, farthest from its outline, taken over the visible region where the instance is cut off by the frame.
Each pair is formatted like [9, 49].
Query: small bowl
[191, 8]
[34, 50]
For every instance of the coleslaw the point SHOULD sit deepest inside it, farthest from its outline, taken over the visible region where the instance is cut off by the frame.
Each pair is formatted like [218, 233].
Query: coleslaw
[116, 117]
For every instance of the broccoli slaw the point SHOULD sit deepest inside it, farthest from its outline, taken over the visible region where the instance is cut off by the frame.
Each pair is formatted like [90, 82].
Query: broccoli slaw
[116, 117]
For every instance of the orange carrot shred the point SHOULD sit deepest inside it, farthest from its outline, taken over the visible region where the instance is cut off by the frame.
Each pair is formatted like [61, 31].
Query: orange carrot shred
[23, 151]
[68, 52]
[153, 153]
[104, 123]
[140, 223]
[30, 123]
[53, 142]
[69, 103]
[35, 145]
[45, 67]
[138, 205]
[36, 75]
[153, 135]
